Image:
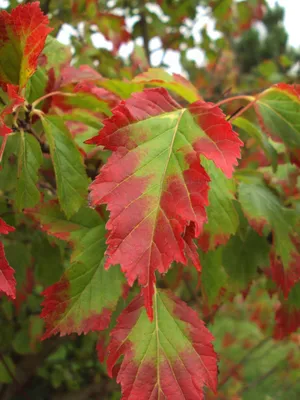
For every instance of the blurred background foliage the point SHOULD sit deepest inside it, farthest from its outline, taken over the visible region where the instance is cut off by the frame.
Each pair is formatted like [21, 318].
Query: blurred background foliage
[243, 48]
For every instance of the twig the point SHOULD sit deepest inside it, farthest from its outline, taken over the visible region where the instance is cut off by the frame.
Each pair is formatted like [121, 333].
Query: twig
[56, 93]
[46, 6]
[144, 29]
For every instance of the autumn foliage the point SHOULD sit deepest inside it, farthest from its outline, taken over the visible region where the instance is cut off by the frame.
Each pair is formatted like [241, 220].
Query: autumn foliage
[143, 189]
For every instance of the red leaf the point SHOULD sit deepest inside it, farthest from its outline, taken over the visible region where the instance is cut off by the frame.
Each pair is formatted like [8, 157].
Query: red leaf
[7, 280]
[287, 321]
[82, 74]
[283, 277]
[153, 224]
[4, 228]
[15, 101]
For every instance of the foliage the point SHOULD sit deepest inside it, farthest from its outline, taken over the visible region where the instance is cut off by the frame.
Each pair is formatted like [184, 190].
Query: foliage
[138, 206]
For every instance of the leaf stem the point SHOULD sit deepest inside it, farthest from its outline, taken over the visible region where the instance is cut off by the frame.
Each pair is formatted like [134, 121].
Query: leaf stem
[239, 97]
[56, 93]
[3, 147]
[244, 109]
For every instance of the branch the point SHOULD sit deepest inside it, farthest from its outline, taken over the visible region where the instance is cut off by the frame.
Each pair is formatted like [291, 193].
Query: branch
[46, 6]
[144, 29]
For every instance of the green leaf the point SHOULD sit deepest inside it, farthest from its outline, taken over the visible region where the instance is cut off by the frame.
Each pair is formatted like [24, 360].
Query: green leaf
[30, 158]
[176, 83]
[262, 140]
[57, 54]
[294, 296]
[8, 170]
[263, 208]
[5, 376]
[48, 265]
[242, 257]
[36, 86]
[84, 117]
[84, 298]
[69, 170]
[213, 275]
[222, 217]
[278, 111]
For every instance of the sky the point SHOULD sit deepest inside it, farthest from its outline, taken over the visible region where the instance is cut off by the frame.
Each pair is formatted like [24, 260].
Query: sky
[171, 58]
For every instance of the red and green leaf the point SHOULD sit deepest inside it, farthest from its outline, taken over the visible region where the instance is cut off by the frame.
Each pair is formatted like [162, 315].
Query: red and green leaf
[86, 295]
[176, 83]
[22, 38]
[278, 110]
[154, 184]
[170, 358]
[264, 210]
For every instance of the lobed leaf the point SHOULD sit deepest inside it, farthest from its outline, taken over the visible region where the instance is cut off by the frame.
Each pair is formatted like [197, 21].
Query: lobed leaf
[176, 83]
[154, 184]
[86, 295]
[263, 208]
[170, 358]
[30, 158]
[222, 218]
[71, 178]
[22, 38]
[278, 111]
[243, 256]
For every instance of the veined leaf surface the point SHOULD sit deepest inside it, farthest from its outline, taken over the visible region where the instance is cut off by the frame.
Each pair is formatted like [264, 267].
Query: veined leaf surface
[154, 184]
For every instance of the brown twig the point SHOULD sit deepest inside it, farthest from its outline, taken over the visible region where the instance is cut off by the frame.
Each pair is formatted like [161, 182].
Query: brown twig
[144, 29]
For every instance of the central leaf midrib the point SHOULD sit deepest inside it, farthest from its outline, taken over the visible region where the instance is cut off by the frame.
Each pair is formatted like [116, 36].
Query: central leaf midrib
[162, 183]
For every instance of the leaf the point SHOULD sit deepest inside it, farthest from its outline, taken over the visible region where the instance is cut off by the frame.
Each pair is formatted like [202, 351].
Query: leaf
[263, 208]
[113, 27]
[22, 38]
[48, 266]
[222, 217]
[84, 73]
[213, 275]
[69, 170]
[7, 280]
[57, 54]
[278, 110]
[53, 221]
[4, 228]
[242, 257]
[13, 102]
[154, 184]
[170, 358]
[285, 278]
[30, 158]
[175, 82]
[84, 298]
[288, 315]
[262, 140]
